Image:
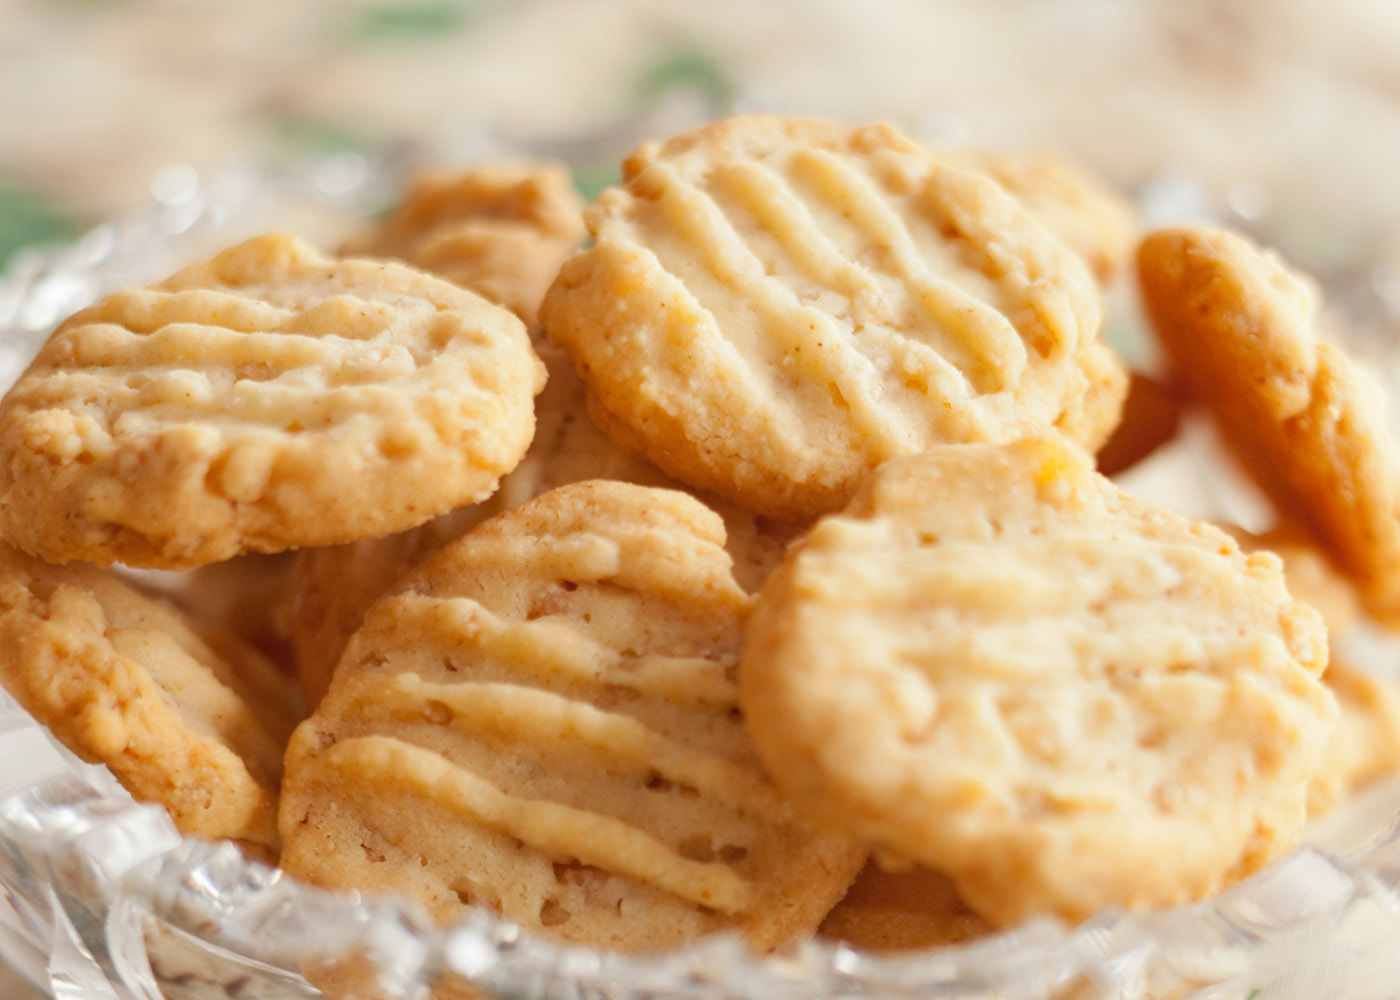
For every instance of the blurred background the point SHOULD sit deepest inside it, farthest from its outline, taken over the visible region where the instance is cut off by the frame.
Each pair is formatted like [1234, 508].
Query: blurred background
[1285, 113]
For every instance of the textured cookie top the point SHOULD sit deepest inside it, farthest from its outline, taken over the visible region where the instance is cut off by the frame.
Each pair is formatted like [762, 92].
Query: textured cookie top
[501, 230]
[772, 307]
[999, 665]
[542, 719]
[185, 716]
[1309, 426]
[267, 399]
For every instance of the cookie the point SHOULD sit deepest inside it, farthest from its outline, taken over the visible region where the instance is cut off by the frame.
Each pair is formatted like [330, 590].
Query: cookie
[1366, 743]
[185, 716]
[773, 307]
[1079, 208]
[333, 586]
[997, 664]
[500, 230]
[1151, 420]
[542, 720]
[908, 910]
[1309, 427]
[267, 399]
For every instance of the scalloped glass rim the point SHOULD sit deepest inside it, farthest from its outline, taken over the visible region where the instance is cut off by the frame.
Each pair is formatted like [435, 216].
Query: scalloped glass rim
[101, 898]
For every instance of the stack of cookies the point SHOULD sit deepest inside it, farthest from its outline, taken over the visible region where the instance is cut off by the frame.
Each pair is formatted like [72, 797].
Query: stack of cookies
[748, 569]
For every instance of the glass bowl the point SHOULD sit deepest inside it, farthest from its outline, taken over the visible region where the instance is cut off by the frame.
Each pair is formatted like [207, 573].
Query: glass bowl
[101, 899]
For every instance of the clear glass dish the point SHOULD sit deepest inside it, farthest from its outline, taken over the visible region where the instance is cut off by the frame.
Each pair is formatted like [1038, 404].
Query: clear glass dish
[101, 899]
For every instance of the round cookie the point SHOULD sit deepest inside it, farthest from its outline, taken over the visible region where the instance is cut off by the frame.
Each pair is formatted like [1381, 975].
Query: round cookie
[1310, 428]
[997, 664]
[542, 719]
[334, 585]
[773, 307]
[185, 716]
[500, 230]
[267, 399]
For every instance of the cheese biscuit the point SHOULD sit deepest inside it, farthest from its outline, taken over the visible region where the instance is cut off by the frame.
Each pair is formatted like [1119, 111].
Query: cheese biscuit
[542, 720]
[267, 399]
[773, 307]
[997, 664]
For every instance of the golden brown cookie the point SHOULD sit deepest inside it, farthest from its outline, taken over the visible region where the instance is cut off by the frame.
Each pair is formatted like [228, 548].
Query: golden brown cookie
[773, 307]
[185, 716]
[907, 910]
[1151, 420]
[333, 586]
[1241, 329]
[1079, 208]
[997, 664]
[543, 720]
[267, 399]
[500, 230]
